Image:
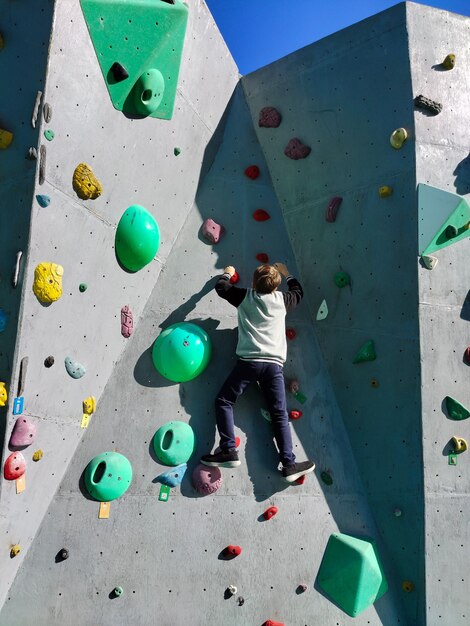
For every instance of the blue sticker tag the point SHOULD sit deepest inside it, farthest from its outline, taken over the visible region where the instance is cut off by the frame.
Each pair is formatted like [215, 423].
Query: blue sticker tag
[18, 404]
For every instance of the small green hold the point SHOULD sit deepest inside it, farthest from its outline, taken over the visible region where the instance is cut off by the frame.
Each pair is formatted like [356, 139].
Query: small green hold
[451, 232]
[82, 287]
[177, 151]
[342, 279]
[49, 134]
[326, 478]
[366, 352]
[300, 397]
[118, 591]
[455, 410]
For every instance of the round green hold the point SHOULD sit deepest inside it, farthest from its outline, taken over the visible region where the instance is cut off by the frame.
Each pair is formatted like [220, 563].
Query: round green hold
[174, 443]
[148, 92]
[108, 476]
[82, 287]
[181, 352]
[49, 134]
[118, 591]
[326, 478]
[342, 279]
[137, 238]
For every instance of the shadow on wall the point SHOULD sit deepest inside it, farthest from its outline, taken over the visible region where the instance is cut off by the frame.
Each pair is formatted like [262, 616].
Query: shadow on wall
[462, 176]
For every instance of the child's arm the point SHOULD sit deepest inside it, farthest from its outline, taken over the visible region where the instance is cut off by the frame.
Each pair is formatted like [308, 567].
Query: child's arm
[227, 291]
[295, 293]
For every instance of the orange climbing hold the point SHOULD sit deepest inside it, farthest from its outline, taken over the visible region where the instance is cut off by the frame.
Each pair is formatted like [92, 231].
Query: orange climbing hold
[262, 257]
[230, 552]
[271, 512]
[271, 622]
[252, 172]
[260, 215]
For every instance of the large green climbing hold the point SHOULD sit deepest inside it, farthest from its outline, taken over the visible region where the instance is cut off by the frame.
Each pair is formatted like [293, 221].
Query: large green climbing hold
[137, 238]
[366, 352]
[146, 38]
[108, 476]
[351, 573]
[455, 410]
[342, 279]
[174, 443]
[181, 352]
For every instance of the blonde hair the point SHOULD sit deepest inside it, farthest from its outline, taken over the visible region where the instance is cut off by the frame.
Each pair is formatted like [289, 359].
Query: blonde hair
[266, 279]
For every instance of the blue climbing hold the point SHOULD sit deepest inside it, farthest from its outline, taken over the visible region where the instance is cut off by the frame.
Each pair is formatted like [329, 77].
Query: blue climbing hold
[74, 369]
[3, 320]
[173, 477]
[43, 200]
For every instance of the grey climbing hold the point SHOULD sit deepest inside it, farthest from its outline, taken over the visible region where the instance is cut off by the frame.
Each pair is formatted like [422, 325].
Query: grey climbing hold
[322, 312]
[42, 164]
[32, 154]
[37, 103]
[232, 590]
[22, 375]
[74, 369]
[421, 102]
[49, 361]
[16, 271]
[43, 200]
[47, 112]
[429, 261]
[295, 149]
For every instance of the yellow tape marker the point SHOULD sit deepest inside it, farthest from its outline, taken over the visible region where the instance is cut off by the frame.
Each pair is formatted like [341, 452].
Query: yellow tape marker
[85, 421]
[21, 484]
[104, 510]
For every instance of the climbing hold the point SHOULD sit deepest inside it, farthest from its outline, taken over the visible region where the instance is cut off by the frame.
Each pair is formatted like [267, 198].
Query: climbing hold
[148, 92]
[3, 394]
[174, 443]
[232, 590]
[351, 573]
[49, 134]
[47, 285]
[266, 415]
[32, 154]
[22, 374]
[455, 410]
[107, 476]
[252, 172]
[212, 231]
[42, 164]
[398, 138]
[2, 41]
[206, 480]
[119, 72]
[49, 361]
[181, 352]
[15, 466]
[271, 622]
[118, 591]
[37, 456]
[449, 62]
[127, 322]
[301, 588]
[459, 445]
[234, 278]
[260, 215]
[269, 117]
[408, 586]
[326, 478]
[294, 388]
[15, 550]
[137, 238]
[37, 104]
[82, 287]
[23, 433]
[301, 480]
[271, 512]
[342, 279]
[43, 201]
[173, 477]
[466, 355]
[230, 552]
[421, 102]
[47, 112]
[16, 271]
[262, 257]
[3, 320]
[322, 312]
[366, 352]
[429, 261]
[18, 405]
[5, 139]
[385, 191]
[74, 369]
[451, 231]
[295, 149]
[85, 183]
[290, 333]
[374, 383]
[397, 512]
[177, 151]
[295, 415]
[333, 208]
[89, 405]
[64, 554]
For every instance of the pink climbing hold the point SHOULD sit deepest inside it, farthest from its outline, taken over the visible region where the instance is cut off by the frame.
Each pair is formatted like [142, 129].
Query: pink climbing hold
[234, 278]
[15, 466]
[290, 333]
[260, 215]
[271, 512]
[230, 552]
[23, 433]
[295, 414]
[269, 117]
[295, 149]
[212, 231]
[206, 480]
[333, 208]
[252, 172]
[127, 322]
[466, 356]
[262, 257]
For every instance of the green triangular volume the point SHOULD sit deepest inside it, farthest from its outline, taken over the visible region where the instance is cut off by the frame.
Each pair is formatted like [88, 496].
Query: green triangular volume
[455, 410]
[366, 352]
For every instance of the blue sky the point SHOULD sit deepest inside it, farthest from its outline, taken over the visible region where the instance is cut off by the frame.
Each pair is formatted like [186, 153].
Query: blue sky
[259, 32]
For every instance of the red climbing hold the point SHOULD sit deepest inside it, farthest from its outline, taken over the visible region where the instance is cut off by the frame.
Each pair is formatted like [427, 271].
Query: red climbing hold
[237, 442]
[212, 231]
[252, 172]
[333, 208]
[230, 552]
[262, 257]
[290, 333]
[271, 622]
[271, 512]
[466, 356]
[234, 278]
[260, 215]
[301, 480]
[269, 117]
[15, 466]
[295, 149]
[295, 415]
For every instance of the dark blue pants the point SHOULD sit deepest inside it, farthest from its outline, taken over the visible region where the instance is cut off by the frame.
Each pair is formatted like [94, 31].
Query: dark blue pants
[271, 379]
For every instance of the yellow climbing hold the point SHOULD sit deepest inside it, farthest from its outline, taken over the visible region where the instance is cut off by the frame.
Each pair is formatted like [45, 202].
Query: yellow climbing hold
[89, 405]
[385, 191]
[15, 550]
[47, 285]
[398, 138]
[408, 586]
[5, 139]
[459, 444]
[3, 394]
[37, 456]
[449, 62]
[85, 183]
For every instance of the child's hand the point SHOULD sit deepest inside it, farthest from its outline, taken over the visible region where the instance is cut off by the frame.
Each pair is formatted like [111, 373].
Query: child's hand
[229, 270]
[281, 268]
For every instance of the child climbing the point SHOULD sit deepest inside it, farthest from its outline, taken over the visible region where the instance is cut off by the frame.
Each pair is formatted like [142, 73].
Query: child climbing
[261, 352]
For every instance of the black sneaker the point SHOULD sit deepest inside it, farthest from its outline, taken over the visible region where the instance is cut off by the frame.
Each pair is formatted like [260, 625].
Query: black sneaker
[221, 459]
[291, 473]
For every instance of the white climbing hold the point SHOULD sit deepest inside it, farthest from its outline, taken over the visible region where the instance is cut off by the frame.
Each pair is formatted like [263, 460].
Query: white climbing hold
[430, 262]
[322, 312]
[232, 589]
